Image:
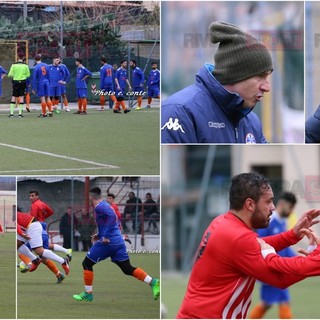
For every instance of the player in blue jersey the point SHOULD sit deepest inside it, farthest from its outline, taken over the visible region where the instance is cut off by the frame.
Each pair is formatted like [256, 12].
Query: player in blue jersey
[106, 82]
[40, 85]
[153, 84]
[108, 242]
[121, 80]
[63, 85]
[271, 295]
[137, 82]
[81, 86]
[56, 79]
[3, 73]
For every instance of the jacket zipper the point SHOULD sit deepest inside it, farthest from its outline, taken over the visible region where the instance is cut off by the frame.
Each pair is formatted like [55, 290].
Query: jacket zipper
[236, 133]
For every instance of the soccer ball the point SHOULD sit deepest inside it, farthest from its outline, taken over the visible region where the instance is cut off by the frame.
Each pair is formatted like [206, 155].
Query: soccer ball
[23, 266]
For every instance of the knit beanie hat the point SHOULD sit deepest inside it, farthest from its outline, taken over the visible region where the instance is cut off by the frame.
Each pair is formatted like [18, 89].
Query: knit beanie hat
[240, 56]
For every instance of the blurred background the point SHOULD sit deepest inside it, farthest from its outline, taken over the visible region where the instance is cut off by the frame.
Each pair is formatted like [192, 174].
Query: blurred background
[195, 186]
[312, 67]
[279, 25]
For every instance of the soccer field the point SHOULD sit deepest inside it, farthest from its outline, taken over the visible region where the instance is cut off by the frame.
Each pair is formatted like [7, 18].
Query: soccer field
[96, 143]
[8, 276]
[304, 297]
[115, 294]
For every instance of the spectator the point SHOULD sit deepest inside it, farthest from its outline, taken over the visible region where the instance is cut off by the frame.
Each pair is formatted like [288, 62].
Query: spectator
[150, 213]
[86, 227]
[65, 228]
[132, 208]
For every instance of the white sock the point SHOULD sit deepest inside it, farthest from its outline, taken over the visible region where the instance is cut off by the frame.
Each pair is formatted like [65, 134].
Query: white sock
[25, 250]
[57, 247]
[147, 279]
[52, 256]
[88, 289]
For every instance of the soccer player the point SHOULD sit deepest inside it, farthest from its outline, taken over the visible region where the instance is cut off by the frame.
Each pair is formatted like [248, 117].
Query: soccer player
[230, 257]
[121, 80]
[108, 242]
[110, 200]
[56, 79]
[19, 72]
[153, 84]
[40, 85]
[30, 231]
[63, 85]
[106, 82]
[115, 68]
[137, 82]
[81, 86]
[3, 73]
[271, 295]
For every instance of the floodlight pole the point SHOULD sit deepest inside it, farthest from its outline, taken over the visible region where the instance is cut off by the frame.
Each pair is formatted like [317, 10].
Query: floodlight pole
[61, 39]
[25, 10]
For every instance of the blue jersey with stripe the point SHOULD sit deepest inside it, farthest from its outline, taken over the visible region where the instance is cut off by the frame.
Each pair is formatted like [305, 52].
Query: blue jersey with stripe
[81, 83]
[56, 74]
[137, 77]
[122, 76]
[106, 76]
[154, 78]
[40, 74]
[66, 72]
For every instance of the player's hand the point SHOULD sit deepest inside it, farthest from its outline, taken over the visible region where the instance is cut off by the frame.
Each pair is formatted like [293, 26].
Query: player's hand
[306, 221]
[314, 241]
[105, 240]
[26, 236]
[263, 244]
[94, 238]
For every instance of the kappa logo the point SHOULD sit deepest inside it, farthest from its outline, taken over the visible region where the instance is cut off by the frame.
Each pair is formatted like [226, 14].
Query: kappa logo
[173, 125]
[217, 125]
[250, 139]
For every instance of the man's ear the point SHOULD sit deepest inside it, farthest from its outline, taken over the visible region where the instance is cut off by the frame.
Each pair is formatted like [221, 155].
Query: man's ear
[250, 204]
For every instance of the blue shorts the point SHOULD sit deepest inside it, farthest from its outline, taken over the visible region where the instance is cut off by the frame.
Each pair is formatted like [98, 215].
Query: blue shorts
[43, 89]
[100, 251]
[55, 91]
[137, 90]
[153, 92]
[271, 295]
[63, 89]
[82, 93]
[121, 92]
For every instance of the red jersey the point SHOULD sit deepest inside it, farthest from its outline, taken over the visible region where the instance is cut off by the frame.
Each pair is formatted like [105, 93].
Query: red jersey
[116, 209]
[23, 221]
[40, 210]
[228, 262]
[1, 230]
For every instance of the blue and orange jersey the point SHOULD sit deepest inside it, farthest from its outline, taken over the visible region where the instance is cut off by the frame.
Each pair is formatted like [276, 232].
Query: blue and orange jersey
[2, 71]
[108, 223]
[56, 74]
[154, 78]
[106, 76]
[40, 210]
[40, 74]
[122, 76]
[81, 77]
[66, 72]
[137, 77]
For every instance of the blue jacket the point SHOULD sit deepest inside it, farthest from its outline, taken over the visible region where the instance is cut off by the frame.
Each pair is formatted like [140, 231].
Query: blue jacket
[312, 129]
[206, 112]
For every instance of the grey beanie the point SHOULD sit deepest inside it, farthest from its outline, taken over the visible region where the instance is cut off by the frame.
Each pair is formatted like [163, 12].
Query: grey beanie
[240, 56]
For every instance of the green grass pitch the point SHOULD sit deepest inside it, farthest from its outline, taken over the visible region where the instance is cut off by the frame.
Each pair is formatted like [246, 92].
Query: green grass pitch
[96, 143]
[116, 296]
[304, 297]
[8, 276]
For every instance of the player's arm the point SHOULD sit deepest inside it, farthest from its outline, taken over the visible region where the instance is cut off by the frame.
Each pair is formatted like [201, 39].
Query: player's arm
[87, 74]
[142, 78]
[68, 76]
[48, 212]
[102, 74]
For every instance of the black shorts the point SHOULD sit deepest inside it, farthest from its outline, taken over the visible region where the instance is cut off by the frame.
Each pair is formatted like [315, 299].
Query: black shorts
[19, 88]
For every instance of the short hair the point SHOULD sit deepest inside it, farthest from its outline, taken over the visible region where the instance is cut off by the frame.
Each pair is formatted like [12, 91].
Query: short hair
[246, 185]
[111, 195]
[122, 61]
[79, 60]
[34, 191]
[133, 61]
[37, 57]
[21, 55]
[131, 192]
[103, 59]
[154, 62]
[95, 192]
[289, 197]
[56, 56]
[148, 194]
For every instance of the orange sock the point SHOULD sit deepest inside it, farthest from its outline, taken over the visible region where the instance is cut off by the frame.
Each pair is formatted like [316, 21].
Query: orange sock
[139, 274]
[27, 99]
[123, 104]
[285, 311]
[51, 265]
[43, 107]
[49, 105]
[65, 102]
[139, 101]
[257, 312]
[113, 98]
[102, 100]
[88, 277]
[80, 104]
[24, 258]
[117, 106]
[149, 100]
[84, 104]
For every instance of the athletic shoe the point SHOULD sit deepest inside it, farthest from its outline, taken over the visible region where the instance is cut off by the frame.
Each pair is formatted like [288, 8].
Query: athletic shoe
[60, 278]
[69, 255]
[126, 238]
[148, 106]
[20, 116]
[28, 109]
[116, 111]
[50, 114]
[83, 112]
[65, 266]
[35, 264]
[101, 109]
[42, 116]
[83, 296]
[138, 108]
[67, 109]
[77, 112]
[155, 286]
[11, 116]
[127, 110]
